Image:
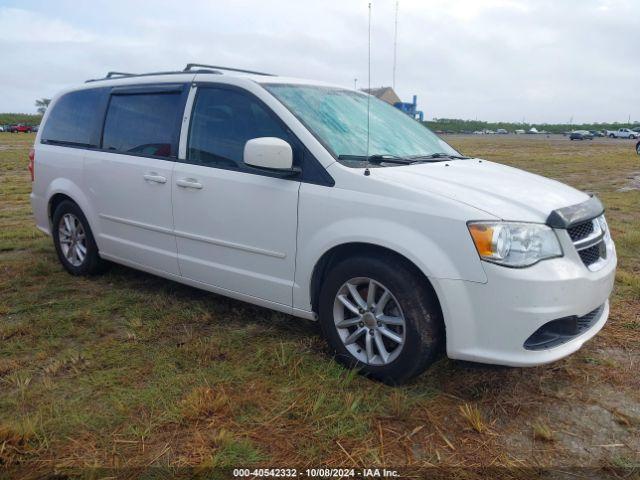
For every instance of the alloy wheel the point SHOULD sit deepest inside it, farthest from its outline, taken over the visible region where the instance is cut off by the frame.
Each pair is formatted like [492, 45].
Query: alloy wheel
[73, 239]
[369, 321]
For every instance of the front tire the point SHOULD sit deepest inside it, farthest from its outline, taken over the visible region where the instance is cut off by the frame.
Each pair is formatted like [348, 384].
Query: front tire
[380, 316]
[74, 242]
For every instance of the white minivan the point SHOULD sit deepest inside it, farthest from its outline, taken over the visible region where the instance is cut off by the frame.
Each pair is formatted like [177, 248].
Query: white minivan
[324, 203]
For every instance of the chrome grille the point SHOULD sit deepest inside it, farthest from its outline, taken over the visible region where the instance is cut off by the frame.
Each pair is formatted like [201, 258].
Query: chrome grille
[590, 255]
[589, 240]
[581, 231]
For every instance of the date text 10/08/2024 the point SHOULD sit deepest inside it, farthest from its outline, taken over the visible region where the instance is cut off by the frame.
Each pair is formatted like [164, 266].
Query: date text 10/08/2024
[316, 472]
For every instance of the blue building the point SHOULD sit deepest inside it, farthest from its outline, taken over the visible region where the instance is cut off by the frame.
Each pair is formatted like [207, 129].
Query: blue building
[388, 95]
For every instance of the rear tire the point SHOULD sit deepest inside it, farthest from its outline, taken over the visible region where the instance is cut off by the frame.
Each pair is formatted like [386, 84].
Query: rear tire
[391, 337]
[74, 242]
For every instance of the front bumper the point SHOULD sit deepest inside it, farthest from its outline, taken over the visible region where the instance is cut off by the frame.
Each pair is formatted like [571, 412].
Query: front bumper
[490, 322]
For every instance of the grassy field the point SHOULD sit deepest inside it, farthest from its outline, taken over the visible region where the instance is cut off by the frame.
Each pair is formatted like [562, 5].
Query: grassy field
[129, 370]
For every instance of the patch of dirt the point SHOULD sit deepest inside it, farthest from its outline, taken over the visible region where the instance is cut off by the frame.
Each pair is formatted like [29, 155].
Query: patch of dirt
[589, 426]
[12, 147]
[633, 183]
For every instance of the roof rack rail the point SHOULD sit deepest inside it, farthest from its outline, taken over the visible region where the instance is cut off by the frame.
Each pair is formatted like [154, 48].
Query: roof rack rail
[111, 75]
[190, 67]
[119, 74]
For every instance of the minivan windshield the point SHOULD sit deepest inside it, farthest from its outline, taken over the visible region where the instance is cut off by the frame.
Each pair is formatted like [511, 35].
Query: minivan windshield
[338, 118]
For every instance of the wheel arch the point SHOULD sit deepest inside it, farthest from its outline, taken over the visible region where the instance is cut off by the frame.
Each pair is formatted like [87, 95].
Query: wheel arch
[55, 200]
[345, 250]
[62, 190]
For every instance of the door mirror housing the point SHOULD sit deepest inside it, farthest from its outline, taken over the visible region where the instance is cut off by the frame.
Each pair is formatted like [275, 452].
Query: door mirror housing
[268, 152]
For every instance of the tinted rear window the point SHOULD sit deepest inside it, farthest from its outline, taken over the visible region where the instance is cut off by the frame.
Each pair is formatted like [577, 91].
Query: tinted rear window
[143, 124]
[74, 119]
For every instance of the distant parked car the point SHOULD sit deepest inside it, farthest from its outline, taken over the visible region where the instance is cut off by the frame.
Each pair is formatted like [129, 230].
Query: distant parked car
[1, 128]
[596, 133]
[501, 131]
[581, 135]
[519, 132]
[623, 133]
[35, 128]
[20, 128]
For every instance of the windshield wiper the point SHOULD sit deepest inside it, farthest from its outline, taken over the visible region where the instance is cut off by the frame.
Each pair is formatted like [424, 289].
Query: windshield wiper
[437, 156]
[378, 159]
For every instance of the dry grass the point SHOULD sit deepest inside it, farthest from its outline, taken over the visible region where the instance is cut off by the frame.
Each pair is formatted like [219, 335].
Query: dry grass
[542, 431]
[129, 370]
[204, 402]
[473, 416]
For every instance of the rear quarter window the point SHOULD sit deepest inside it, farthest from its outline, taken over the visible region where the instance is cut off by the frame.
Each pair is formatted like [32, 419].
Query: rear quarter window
[75, 119]
[143, 124]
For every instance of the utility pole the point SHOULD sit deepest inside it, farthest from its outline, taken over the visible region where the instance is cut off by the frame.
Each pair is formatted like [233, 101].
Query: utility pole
[395, 48]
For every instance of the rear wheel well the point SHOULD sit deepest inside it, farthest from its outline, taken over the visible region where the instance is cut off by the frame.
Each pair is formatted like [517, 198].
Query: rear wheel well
[340, 252]
[56, 200]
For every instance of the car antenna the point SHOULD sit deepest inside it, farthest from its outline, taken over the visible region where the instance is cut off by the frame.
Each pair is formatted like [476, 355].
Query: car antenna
[366, 169]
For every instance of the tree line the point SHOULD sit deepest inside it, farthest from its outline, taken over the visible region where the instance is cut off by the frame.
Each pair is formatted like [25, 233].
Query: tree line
[26, 118]
[458, 126]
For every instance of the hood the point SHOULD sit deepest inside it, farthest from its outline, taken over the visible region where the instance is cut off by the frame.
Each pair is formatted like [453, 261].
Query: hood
[505, 192]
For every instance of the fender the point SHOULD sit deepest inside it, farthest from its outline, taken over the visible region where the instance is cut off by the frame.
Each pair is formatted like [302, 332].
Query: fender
[430, 258]
[68, 188]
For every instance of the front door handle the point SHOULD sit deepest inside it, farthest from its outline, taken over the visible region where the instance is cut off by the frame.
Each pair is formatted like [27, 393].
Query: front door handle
[154, 177]
[189, 183]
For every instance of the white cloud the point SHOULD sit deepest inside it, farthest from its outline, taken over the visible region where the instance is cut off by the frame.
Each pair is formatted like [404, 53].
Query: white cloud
[17, 25]
[545, 60]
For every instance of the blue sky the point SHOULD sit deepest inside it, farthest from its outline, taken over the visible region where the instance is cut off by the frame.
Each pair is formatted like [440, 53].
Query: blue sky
[542, 60]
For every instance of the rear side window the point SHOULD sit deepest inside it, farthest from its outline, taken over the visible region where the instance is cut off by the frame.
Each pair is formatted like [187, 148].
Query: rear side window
[222, 121]
[74, 119]
[143, 124]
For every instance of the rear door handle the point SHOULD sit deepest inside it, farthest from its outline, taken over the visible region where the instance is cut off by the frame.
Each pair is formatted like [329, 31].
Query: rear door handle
[189, 183]
[154, 177]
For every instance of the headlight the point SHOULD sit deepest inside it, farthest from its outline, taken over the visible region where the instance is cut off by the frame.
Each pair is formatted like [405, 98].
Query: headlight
[514, 244]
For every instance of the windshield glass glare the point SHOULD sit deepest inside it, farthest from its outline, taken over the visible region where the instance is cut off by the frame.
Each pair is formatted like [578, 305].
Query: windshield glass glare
[338, 118]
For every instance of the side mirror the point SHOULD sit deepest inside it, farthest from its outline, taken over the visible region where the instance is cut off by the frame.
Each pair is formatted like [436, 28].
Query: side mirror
[268, 152]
